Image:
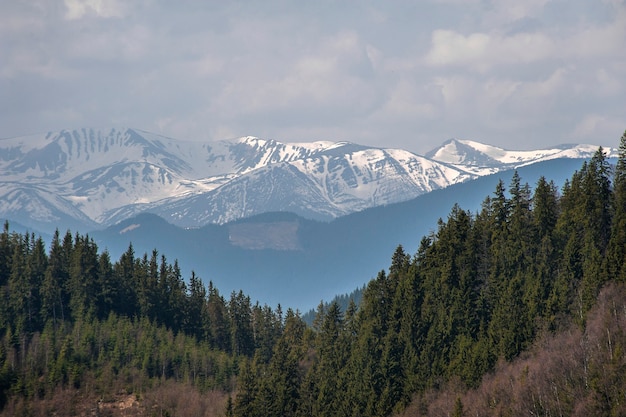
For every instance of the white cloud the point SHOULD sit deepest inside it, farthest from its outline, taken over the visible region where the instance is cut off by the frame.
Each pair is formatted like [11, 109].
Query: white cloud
[76, 9]
[450, 47]
[498, 47]
[483, 52]
[490, 70]
[331, 75]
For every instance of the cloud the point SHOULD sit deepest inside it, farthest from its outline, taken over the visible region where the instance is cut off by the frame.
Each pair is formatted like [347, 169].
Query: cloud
[482, 52]
[533, 71]
[77, 9]
[501, 12]
[500, 47]
[334, 75]
[406, 74]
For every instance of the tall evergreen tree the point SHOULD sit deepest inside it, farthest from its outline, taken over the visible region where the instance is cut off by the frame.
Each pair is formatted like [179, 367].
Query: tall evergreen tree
[53, 301]
[521, 227]
[247, 392]
[196, 308]
[19, 287]
[5, 255]
[281, 386]
[332, 357]
[597, 205]
[124, 271]
[615, 265]
[107, 287]
[545, 207]
[83, 276]
[218, 327]
[242, 337]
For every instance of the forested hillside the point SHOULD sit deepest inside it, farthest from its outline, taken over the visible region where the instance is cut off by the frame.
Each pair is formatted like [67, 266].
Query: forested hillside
[485, 295]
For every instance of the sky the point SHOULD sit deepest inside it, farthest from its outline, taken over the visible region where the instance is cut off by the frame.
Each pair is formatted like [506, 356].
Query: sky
[519, 74]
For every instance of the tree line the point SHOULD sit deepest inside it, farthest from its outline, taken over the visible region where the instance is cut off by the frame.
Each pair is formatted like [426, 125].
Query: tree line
[479, 289]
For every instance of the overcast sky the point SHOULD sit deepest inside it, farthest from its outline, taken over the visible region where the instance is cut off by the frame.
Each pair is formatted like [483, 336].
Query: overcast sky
[519, 74]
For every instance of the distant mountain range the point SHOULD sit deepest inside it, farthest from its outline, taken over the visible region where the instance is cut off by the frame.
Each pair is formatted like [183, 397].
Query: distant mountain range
[287, 223]
[90, 179]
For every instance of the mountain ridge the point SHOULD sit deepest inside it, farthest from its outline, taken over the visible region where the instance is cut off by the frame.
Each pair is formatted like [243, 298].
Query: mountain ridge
[91, 179]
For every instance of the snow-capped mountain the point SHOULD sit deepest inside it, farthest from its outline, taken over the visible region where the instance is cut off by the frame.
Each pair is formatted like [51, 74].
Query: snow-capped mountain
[333, 181]
[94, 178]
[480, 159]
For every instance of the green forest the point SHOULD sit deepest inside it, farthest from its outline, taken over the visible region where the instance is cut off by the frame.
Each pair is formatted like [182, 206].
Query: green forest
[517, 309]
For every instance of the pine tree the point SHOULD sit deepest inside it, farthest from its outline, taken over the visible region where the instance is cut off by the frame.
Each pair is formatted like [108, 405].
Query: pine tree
[124, 271]
[18, 286]
[145, 283]
[332, 357]
[521, 231]
[5, 255]
[107, 288]
[596, 230]
[246, 392]
[281, 385]
[37, 265]
[510, 328]
[374, 318]
[399, 261]
[53, 287]
[545, 207]
[83, 271]
[615, 264]
[195, 310]
[218, 327]
[407, 305]
[242, 336]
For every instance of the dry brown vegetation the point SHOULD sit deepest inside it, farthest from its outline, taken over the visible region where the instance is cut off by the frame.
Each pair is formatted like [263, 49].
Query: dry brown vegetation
[168, 399]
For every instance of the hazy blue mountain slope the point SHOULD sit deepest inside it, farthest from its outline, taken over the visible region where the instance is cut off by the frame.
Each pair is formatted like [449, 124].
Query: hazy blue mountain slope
[318, 260]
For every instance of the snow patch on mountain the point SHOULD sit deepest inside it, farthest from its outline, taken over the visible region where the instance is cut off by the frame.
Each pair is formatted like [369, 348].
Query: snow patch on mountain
[481, 159]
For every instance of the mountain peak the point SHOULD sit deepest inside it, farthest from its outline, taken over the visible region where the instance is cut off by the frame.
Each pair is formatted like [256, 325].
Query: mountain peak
[466, 152]
[481, 159]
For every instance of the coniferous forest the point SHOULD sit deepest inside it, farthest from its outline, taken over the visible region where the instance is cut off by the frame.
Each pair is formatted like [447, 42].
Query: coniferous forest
[517, 309]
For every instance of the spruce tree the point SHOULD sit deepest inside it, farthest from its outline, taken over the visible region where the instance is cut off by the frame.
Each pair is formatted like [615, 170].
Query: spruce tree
[615, 263]
[5, 255]
[242, 336]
